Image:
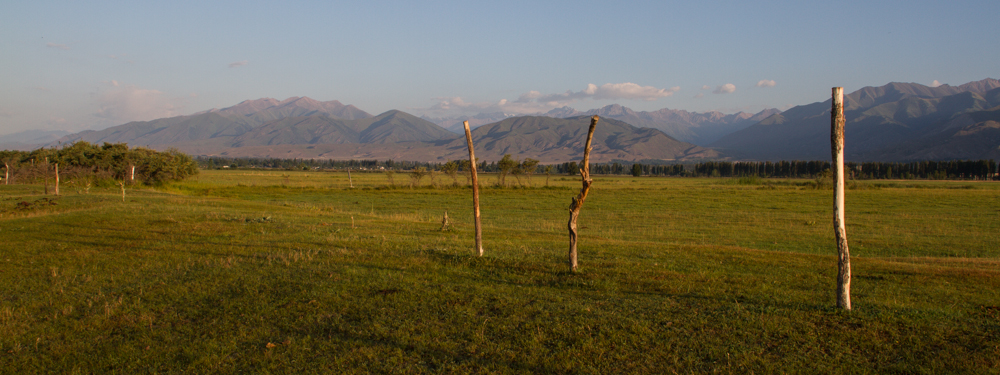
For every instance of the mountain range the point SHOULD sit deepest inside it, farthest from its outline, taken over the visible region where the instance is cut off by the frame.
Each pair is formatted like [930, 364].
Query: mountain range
[692, 127]
[305, 128]
[894, 122]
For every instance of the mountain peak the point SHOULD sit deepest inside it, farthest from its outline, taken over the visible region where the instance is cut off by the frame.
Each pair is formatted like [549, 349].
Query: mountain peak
[267, 109]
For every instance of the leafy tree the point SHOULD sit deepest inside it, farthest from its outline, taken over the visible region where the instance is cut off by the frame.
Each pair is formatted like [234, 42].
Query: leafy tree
[572, 168]
[506, 165]
[636, 170]
[416, 175]
[529, 166]
[451, 169]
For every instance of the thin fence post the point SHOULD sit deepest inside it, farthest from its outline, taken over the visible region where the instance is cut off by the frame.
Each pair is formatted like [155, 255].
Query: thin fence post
[475, 190]
[840, 231]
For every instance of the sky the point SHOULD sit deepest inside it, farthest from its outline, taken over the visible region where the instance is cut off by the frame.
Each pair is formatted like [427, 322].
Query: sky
[75, 65]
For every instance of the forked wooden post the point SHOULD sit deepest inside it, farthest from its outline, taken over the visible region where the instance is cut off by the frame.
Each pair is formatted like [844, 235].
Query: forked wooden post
[574, 207]
[475, 190]
[840, 231]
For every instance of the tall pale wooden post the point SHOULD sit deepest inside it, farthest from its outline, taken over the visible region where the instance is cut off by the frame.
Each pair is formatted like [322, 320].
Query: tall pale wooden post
[57, 178]
[475, 189]
[840, 231]
[577, 204]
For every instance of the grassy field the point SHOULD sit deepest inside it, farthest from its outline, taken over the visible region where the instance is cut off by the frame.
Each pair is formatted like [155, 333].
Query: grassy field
[296, 272]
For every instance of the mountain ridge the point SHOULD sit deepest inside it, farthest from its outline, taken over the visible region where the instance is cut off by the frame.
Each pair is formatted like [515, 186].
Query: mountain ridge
[880, 120]
[693, 127]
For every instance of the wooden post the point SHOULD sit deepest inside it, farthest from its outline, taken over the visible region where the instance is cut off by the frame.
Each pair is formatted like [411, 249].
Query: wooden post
[475, 190]
[840, 231]
[57, 178]
[349, 179]
[132, 181]
[45, 176]
[574, 207]
[444, 222]
[6, 173]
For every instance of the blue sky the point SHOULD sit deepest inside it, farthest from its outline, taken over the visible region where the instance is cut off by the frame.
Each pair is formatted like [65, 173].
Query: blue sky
[73, 65]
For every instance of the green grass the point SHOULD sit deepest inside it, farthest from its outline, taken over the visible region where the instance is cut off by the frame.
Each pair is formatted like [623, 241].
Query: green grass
[289, 272]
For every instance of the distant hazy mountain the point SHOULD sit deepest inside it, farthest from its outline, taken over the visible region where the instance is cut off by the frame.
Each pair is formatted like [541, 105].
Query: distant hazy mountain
[269, 122]
[557, 140]
[29, 139]
[692, 127]
[387, 128]
[167, 132]
[456, 124]
[260, 111]
[898, 121]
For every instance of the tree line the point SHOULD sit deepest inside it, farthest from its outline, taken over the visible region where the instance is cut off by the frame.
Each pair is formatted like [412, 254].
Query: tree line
[101, 165]
[508, 166]
[927, 170]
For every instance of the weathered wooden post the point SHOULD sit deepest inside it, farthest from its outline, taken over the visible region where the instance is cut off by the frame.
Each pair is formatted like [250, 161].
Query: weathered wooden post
[840, 231]
[475, 190]
[57, 178]
[349, 179]
[574, 207]
[45, 175]
[122, 184]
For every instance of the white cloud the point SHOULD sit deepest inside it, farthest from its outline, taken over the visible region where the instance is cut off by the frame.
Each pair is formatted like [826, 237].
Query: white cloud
[766, 83]
[57, 46]
[118, 104]
[238, 64]
[706, 87]
[609, 91]
[935, 83]
[700, 95]
[630, 90]
[536, 102]
[728, 88]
